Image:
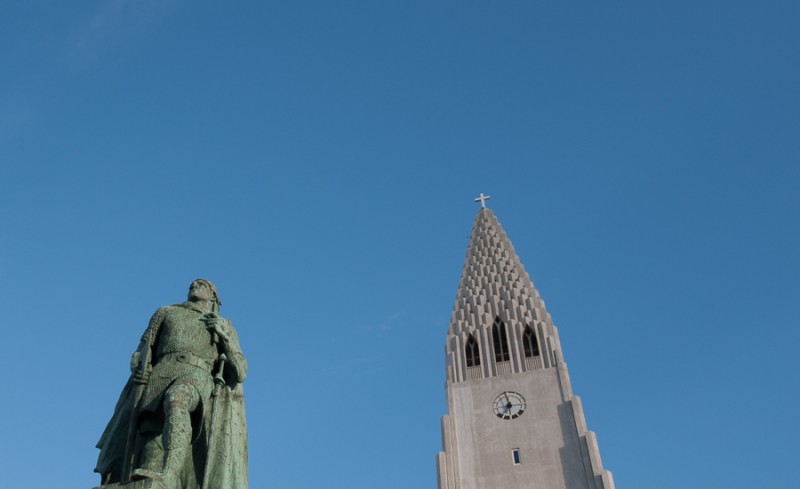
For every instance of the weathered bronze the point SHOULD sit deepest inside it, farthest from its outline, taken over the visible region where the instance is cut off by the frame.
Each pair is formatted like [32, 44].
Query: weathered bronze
[179, 422]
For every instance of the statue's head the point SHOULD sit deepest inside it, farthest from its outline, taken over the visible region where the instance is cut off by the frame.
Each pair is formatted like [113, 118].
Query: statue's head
[203, 290]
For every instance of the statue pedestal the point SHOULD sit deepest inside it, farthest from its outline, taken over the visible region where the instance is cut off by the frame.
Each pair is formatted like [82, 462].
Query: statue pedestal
[140, 484]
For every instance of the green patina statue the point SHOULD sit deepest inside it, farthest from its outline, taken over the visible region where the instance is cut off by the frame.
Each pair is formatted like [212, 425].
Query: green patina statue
[179, 422]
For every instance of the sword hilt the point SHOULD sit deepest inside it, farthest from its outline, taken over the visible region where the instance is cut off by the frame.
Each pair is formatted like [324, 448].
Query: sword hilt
[219, 379]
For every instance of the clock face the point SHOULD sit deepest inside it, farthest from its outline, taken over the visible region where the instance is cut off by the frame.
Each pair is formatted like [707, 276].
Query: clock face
[509, 405]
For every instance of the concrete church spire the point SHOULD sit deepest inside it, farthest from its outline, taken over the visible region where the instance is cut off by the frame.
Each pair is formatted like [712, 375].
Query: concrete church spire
[512, 422]
[495, 289]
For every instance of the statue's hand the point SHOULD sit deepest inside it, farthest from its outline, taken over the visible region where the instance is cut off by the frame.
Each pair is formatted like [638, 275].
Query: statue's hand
[141, 376]
[221, 326]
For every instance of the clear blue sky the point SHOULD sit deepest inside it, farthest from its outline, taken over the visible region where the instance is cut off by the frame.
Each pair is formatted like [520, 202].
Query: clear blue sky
[318, 160]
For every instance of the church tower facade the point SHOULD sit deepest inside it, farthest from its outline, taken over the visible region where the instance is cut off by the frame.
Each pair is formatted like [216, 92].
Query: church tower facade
[512, 421]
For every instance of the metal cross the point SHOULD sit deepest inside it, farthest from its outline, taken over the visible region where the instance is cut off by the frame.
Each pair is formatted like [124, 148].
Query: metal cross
[482, 199]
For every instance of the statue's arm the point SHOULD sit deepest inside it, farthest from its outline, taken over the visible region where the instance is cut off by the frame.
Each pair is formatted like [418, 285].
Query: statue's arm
[142, 359]
[233, 351]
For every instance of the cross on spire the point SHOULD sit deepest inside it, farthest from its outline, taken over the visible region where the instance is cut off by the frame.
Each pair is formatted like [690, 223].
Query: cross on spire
[482, 199]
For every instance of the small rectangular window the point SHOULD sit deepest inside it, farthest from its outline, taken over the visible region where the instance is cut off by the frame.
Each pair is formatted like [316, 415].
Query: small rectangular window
[515, 455]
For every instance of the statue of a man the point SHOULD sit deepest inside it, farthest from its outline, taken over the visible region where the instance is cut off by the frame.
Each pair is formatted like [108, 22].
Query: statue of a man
[179, 422]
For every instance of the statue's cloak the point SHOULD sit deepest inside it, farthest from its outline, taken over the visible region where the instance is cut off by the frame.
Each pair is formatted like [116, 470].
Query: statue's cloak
[115, 436]
[224, 449]
[227, 464]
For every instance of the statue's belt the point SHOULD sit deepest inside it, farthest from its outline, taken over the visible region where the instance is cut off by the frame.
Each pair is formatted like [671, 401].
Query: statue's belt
[186, 357]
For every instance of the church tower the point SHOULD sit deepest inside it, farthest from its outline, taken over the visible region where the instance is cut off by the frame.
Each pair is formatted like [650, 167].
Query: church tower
[512, 421]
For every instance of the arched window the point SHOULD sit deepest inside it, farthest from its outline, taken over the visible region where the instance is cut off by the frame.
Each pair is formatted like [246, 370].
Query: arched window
[529, 343]
[500, 341]
[472, 352]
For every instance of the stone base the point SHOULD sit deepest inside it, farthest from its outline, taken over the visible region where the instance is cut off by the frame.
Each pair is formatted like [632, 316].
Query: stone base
[140, 484]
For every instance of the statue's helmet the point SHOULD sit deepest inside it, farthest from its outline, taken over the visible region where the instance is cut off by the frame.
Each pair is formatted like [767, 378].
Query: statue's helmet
[211, 286]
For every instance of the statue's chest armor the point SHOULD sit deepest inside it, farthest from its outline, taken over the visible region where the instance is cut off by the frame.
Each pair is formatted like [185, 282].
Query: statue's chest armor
[183, 330]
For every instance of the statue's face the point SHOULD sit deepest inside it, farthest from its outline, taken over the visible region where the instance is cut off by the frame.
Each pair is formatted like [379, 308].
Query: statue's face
[200, 291]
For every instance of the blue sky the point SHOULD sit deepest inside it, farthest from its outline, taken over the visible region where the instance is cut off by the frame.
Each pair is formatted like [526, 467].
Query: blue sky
[318, 161]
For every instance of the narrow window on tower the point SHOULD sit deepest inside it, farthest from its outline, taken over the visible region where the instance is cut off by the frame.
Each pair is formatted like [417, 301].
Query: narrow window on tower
[515, 456]
[529, 343]
[500, 341]
[472, 352]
